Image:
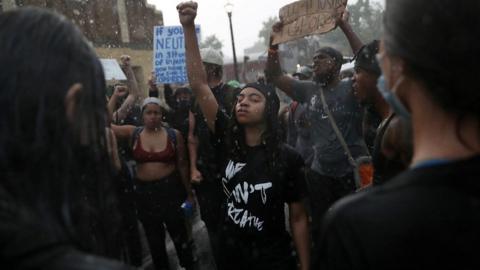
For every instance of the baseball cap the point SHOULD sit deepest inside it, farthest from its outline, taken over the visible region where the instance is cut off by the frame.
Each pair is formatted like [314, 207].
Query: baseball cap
[211, 56]
[366, 59]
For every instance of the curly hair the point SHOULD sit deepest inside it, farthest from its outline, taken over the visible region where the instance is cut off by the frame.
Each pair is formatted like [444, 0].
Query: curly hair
[271, 137]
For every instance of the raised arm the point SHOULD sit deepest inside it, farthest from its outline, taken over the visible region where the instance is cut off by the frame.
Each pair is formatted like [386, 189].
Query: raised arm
[187, 11]
[152, 86]
[134, 94]
[354, 41]
[273, 69]
[118, 92]
[132, 82]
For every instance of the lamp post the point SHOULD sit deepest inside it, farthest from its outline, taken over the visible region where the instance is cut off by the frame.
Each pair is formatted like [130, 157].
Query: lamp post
[229, 9]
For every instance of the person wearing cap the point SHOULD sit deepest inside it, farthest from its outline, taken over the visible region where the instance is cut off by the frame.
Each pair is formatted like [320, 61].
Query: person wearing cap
[232, 89]
[259, 174]
[365, 75]
[392, 142]
[180, 103]
[387, 135]
[331, 173]
[161, 181]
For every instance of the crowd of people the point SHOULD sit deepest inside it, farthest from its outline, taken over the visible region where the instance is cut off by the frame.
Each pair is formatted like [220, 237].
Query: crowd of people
[374, 170]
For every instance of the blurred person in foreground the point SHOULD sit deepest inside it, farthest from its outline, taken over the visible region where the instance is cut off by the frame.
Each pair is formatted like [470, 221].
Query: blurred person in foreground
[429, 216]
[57, 201]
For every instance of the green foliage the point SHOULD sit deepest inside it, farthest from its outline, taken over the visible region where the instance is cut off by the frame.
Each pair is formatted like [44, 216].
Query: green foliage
[264, 33]
[212, 42]
[366, 21]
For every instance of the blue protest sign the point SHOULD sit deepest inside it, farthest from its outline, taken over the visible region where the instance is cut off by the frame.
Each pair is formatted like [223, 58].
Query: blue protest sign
[169, 54]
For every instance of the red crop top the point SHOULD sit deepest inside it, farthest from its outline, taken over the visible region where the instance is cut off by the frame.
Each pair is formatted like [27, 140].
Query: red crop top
[165, 156]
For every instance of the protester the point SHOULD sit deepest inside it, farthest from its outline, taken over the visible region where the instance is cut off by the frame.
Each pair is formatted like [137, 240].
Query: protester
[387, 136]
[366, 73]
[429, 216]
[260, 173]
[232, 89]
[129, 111]
[180, 103]
[162, 184]
[393, 149]
[57, 198]
[203, 165]
[331, 174]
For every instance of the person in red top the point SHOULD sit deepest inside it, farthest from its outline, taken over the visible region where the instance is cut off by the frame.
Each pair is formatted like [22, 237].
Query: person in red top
[162, 183]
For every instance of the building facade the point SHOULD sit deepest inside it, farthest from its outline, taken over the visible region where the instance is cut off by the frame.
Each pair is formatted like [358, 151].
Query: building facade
[114, 27]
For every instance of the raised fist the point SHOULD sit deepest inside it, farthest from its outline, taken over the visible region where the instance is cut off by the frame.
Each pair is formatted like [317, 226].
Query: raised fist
[187, 11]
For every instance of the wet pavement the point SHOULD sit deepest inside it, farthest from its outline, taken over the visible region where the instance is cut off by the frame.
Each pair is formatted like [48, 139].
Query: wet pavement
[202, 251]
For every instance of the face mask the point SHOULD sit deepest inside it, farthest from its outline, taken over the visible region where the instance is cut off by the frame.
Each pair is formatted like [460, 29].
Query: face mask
[391, 98]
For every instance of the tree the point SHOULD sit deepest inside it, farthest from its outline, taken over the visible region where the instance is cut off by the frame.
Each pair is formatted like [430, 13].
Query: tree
[366, 21]
[212, 42]
[264, 33]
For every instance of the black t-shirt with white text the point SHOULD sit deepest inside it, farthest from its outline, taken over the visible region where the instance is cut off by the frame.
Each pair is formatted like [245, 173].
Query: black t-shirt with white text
[255, 196]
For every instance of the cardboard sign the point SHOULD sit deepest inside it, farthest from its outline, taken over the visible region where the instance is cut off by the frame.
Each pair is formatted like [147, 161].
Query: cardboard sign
[112, 70]
[169, 54]
[308, 17]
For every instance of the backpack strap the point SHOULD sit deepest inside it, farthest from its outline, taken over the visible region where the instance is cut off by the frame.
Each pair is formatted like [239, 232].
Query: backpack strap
[172, 135]
[135, 135]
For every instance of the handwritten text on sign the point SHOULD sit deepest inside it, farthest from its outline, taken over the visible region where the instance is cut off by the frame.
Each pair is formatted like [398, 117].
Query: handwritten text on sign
[169, 54]
[307, 17]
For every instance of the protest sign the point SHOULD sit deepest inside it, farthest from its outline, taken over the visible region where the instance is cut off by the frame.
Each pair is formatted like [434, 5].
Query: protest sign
[307, 17]
[112, 70]
[169, 54]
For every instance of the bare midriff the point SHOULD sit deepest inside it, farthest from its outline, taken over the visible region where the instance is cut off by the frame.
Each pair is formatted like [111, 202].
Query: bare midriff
[152, 171]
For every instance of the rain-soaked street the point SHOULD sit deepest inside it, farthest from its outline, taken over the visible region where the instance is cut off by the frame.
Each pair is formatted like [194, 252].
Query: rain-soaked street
[202, 251]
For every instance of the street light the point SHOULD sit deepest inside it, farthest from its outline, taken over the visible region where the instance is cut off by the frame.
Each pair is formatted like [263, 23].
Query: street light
[229, 9]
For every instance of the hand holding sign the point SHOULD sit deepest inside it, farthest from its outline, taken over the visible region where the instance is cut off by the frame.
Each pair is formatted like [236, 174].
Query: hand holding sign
[276, 32]
[343, 18]
[307, 17]
[187, 11]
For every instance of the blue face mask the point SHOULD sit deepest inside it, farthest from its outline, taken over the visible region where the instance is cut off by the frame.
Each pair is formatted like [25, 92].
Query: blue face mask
[391, 99]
